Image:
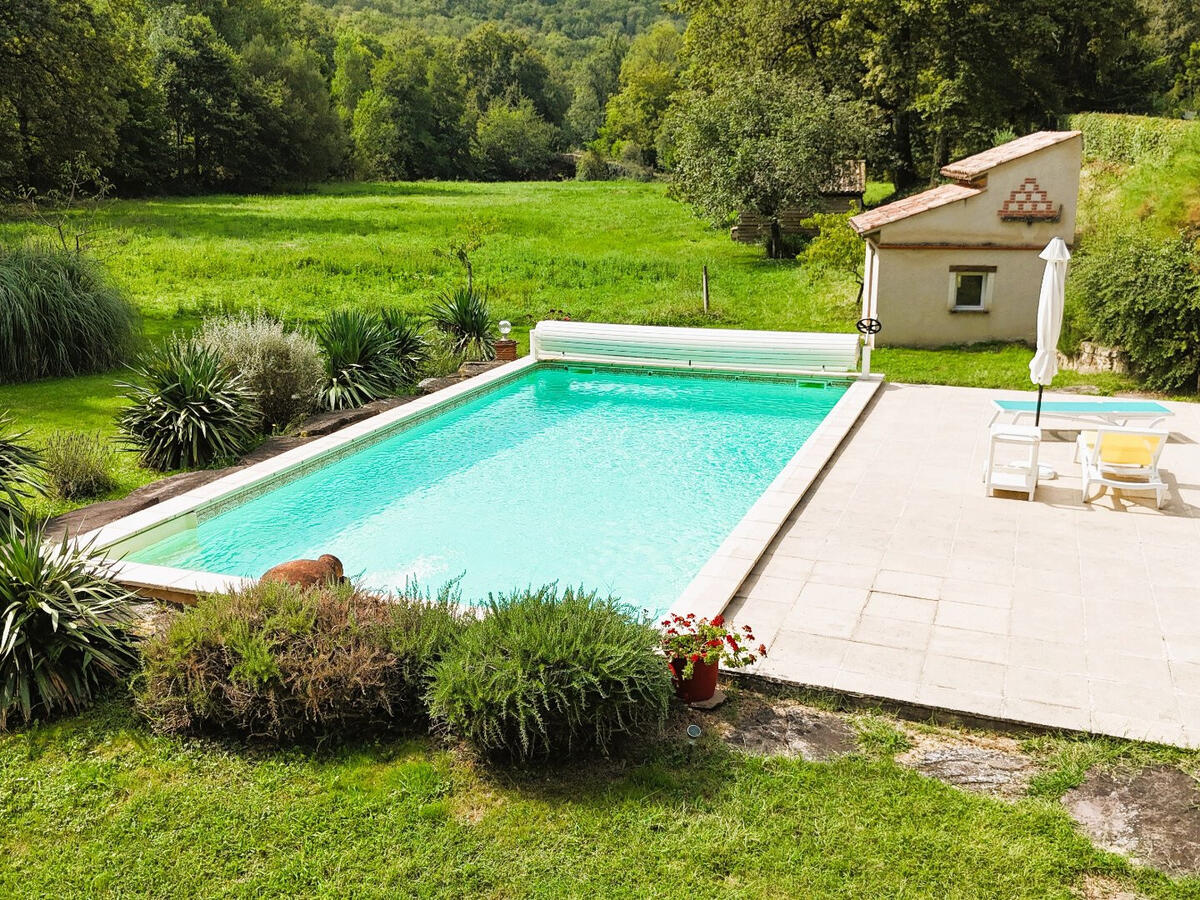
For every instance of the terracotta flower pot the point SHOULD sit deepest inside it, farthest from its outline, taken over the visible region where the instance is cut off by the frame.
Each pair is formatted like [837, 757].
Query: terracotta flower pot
[701, 686]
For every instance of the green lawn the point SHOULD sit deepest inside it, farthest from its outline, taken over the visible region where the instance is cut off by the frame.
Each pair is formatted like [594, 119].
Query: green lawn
[96, 807]
[597, 250]
[618, 251]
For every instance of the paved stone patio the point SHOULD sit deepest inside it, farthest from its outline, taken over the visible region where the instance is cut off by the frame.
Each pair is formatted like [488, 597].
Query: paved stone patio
[897, 578]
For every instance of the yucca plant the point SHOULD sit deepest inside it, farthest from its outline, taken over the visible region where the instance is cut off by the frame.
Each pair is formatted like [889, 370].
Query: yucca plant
[542, 674]
[188, 408]
[65, 627]
[359, 362]
[59, 315]
[409, 350]
[463, 315]
[20, 466]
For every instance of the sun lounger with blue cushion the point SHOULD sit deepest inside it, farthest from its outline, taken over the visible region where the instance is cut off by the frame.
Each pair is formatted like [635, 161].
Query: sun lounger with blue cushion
[1111, 411]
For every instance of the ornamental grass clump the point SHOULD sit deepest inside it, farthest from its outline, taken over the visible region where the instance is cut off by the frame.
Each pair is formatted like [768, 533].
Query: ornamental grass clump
[78, 465]
[543, 674]
[59, 315]
[283, 367]
[284, 663]
[65, 627]
[188, 408]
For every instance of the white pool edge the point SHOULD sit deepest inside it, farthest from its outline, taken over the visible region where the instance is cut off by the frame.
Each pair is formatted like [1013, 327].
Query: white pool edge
[717, 582]
[707, 594]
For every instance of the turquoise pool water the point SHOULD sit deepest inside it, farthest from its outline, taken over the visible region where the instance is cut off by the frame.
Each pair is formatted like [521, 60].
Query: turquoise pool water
[625, 482]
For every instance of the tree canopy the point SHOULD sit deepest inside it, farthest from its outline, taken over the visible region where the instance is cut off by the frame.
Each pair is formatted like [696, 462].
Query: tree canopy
[762, 142]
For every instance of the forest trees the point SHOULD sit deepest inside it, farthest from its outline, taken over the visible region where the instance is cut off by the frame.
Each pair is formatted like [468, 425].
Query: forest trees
[59, 91]
[945, 75]
[203, 95]
[176, 95]
[648, 81]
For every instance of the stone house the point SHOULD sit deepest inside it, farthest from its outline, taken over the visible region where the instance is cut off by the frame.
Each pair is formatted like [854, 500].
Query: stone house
[958, 264]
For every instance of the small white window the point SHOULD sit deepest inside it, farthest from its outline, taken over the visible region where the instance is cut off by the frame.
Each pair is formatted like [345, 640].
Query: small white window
[971, 288]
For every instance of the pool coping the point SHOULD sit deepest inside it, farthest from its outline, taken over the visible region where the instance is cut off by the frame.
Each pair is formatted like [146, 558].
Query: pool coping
[718, 581]
[708, 593]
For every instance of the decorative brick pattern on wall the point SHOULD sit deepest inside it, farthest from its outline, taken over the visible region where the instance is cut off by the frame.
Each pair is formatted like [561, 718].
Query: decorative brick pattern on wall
[1029, 202]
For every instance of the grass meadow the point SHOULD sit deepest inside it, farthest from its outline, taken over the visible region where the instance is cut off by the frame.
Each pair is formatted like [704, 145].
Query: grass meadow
[607, 251]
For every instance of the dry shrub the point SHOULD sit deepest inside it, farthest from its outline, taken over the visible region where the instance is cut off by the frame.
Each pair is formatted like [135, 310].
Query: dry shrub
[284, 663]
[282, 367]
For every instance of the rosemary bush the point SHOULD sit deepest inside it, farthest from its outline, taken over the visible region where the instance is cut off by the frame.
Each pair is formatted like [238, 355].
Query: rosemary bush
[282, 663]
[79, 465]
[543, 674]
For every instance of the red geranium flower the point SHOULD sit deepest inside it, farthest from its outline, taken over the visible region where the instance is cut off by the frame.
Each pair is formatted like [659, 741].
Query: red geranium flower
[692, 639]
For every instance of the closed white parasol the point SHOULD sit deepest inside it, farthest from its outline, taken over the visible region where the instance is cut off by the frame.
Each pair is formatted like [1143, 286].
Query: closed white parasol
[1044, 365]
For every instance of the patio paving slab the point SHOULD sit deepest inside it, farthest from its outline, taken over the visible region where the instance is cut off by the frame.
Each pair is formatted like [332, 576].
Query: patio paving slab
[898, 578]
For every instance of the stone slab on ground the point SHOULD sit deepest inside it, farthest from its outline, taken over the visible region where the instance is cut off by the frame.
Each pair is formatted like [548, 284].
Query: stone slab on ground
[1094, 887]
[718, 697]
[465, 371]
[328, 422]
[994, 766]
[1152, 816]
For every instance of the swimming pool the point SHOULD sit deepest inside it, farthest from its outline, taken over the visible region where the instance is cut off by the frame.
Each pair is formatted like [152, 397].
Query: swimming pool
[623, 480]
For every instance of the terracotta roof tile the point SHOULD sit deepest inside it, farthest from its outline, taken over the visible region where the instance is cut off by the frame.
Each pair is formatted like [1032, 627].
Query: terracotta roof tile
[848, 178]
[876, 218]
[974, 166]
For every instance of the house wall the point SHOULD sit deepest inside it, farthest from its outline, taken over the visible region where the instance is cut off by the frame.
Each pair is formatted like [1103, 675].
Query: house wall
[916, 255]
[914, 292]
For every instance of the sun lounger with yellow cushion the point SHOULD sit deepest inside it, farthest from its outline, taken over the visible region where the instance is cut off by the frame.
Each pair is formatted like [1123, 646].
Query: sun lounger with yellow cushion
[1122, 458]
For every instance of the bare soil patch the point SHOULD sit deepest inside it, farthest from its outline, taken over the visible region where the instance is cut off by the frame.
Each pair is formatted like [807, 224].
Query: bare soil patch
[1152, 816]
[776, 727]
